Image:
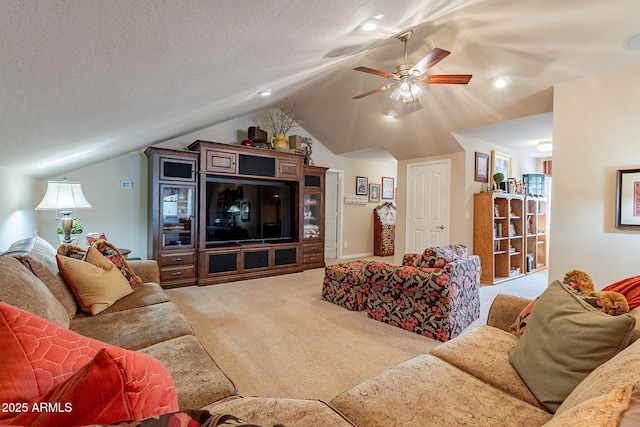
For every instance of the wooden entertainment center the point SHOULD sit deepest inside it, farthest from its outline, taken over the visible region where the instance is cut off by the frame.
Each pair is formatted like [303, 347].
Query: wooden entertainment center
[222, 212]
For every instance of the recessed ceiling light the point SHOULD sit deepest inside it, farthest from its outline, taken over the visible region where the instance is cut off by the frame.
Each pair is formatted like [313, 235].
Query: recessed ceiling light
[390, 114]
[371, 23]
[501, 82]
[633, 41]
[265, 92]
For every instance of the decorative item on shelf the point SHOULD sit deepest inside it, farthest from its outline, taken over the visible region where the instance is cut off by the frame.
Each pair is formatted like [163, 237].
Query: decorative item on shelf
[280, 117]
[498, 179]
[257, 135]
[247, 143]
[278, 142]
[66, 197]
[307, 145]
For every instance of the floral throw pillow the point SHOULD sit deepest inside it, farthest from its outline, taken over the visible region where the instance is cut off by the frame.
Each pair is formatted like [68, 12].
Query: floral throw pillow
[112, 254]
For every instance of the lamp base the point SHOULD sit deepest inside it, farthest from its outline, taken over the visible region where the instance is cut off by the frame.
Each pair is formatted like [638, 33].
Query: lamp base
[67, 222]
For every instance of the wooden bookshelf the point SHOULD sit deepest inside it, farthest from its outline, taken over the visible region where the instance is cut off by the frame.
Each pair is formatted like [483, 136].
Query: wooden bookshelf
[499, 235]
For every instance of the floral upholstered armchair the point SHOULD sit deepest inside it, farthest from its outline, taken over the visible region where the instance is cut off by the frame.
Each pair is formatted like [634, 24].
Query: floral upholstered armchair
[435, 293]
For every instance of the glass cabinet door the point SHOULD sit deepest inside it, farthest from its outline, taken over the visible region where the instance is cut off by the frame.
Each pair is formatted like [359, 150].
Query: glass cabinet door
[312, 215]
[176, 213]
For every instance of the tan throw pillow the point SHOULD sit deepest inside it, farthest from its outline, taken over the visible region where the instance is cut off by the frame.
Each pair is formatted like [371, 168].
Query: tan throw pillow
[96, 282]
[565, 339]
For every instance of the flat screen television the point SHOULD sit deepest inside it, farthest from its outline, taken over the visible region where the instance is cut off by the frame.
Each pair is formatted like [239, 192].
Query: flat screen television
[240, 211]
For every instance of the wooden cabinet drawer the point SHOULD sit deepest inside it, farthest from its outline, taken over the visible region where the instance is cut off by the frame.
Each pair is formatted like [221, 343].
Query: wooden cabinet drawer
[289, 168]
[314, 258]
[312, 248]
[220, 161]
[168, 274]
[177, 258]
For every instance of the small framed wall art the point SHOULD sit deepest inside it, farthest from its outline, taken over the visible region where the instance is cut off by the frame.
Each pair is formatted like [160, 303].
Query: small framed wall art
[628, 198]
[482, 167]
[374, 192]
[362, 185]
[388, 188]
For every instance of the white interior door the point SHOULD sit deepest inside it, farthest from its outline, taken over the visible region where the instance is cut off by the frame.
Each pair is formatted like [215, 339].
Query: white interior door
[331, 214]
[428, 205]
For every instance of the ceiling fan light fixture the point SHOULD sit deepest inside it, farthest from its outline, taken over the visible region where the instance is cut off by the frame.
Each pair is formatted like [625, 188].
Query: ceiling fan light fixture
[407, 90]
[545, 146]
[371, 23]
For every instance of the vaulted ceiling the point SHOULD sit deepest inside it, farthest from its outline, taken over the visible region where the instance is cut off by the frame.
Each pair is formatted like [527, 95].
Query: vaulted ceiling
[87, 80]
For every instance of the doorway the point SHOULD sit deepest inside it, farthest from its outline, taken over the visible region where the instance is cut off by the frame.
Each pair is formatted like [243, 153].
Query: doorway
[333, 190]
[428, 205]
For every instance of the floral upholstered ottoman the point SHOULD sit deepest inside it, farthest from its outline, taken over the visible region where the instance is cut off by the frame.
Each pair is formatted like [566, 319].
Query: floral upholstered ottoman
[346, 285]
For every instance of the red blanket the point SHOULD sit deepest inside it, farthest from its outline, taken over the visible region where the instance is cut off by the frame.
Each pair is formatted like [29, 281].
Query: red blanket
[630, 288]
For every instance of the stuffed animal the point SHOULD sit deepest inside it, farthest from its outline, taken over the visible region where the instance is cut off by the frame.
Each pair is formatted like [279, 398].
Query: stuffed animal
[612, 303]
[580, 281]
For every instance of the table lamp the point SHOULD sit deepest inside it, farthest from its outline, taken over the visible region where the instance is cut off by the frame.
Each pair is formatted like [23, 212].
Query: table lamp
[66, 197]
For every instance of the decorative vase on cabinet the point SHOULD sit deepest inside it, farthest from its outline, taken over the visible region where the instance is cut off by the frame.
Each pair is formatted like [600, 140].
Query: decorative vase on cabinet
[278, 142]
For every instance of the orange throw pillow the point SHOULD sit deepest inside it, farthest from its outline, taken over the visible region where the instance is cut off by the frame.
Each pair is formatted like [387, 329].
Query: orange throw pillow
[95, 394]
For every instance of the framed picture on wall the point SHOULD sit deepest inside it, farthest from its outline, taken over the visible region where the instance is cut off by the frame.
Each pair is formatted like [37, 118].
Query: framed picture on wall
[628, 198]
[500, 163]
[362, 185]
[374, 192]
[388, 188]
[482, 167]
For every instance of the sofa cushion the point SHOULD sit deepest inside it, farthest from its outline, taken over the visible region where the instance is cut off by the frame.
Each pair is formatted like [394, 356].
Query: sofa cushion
[607, 410]
[41, 355]
[143, 295]
[21, 288]
[565, 339]
[439, 256]
[136, 328]
[428, 388]
[40, 257]
[96, 282]
[280, 411]
[197, 378]
[484, 353]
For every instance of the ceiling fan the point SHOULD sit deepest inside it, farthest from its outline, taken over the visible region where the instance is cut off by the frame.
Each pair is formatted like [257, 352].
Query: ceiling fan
[408, 76]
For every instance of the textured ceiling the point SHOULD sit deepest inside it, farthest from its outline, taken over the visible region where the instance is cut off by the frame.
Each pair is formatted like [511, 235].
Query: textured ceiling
[86, 80]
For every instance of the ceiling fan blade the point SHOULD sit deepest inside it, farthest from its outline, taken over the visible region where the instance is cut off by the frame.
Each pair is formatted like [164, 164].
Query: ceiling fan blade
[373, 71]
[459, 79]
[371, 92]
[432, 58]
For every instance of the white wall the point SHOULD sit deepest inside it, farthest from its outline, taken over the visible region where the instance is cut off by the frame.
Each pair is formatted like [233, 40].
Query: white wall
[120, 214]
[596, 131]
[18, 217]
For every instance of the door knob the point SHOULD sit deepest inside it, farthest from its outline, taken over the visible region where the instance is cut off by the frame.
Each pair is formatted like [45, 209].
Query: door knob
[441, 227]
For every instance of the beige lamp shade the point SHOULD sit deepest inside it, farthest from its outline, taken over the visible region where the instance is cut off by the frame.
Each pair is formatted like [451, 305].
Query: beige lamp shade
[63, 195]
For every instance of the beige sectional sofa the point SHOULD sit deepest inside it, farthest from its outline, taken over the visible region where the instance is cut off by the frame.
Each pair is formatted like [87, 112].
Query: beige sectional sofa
[468, 380]
[145, 320]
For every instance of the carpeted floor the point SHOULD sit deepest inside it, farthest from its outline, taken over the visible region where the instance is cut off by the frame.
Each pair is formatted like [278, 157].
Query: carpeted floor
[275, 337]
